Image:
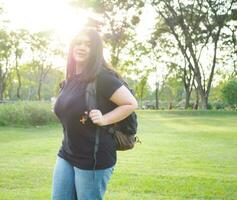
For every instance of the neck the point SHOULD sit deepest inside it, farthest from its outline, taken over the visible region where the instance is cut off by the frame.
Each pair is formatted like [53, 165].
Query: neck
[80, 67]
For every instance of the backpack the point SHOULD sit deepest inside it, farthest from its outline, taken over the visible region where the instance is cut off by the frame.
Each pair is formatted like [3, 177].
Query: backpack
[124, 131]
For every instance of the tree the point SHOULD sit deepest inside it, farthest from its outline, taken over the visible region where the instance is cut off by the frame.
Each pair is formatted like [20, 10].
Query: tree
[229, 92]
[141, 87]
[43, 54]
[120, 19]
[5, 62]
[230, 44]
[18, 43]
[196, 26]
[164, 46]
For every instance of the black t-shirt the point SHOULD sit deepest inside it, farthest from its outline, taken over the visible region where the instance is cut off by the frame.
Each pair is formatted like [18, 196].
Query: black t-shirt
[79, 139]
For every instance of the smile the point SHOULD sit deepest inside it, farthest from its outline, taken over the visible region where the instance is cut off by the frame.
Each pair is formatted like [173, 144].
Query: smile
[81, 53]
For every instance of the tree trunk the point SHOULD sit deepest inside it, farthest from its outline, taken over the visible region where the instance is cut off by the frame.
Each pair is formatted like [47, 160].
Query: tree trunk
[142, 90]
[19, 84]
[157, 95]
[19, 78]
[170, 106]
[204, 101]
[39, 90]
[196, 105]
[1, 92]
[187, 99]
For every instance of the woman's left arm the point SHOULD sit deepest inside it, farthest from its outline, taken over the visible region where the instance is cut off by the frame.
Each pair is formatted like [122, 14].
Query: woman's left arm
[126, 105]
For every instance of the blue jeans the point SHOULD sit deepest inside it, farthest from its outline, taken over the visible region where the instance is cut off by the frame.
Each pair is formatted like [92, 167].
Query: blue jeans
[72, 183]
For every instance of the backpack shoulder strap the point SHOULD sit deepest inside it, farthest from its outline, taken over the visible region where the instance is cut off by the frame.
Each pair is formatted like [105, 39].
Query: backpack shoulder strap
[91, 103]
[91, 96]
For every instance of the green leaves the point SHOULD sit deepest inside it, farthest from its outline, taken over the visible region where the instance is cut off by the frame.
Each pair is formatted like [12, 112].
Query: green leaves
[229, 92]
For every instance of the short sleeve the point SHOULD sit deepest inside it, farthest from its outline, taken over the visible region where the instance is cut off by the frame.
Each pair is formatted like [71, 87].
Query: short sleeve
[108, 84]
[61, 84]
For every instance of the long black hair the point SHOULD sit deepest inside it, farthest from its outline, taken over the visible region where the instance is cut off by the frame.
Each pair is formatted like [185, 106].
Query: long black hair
[96, 60]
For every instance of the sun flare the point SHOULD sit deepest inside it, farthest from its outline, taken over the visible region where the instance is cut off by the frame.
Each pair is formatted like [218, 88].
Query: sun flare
[38, 15]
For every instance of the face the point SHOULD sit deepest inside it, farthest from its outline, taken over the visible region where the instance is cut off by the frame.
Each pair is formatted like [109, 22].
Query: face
[81, 48]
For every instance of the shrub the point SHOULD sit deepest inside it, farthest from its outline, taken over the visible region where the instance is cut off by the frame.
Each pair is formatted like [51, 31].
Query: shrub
[229, 93]
[209, 106]
[219, 105]
[26, 113]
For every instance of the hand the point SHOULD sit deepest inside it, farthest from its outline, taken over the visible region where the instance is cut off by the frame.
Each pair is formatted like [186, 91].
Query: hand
[97, 117]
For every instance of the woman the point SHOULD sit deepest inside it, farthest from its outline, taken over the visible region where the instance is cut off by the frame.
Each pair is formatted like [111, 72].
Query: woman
[73, 176]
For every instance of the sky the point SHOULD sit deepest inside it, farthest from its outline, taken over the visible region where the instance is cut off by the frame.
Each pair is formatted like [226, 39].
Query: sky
[66, 21]
[60, 16]
[38, 15]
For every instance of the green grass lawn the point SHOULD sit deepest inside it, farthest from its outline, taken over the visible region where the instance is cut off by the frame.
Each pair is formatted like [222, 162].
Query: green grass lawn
[183, 155]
